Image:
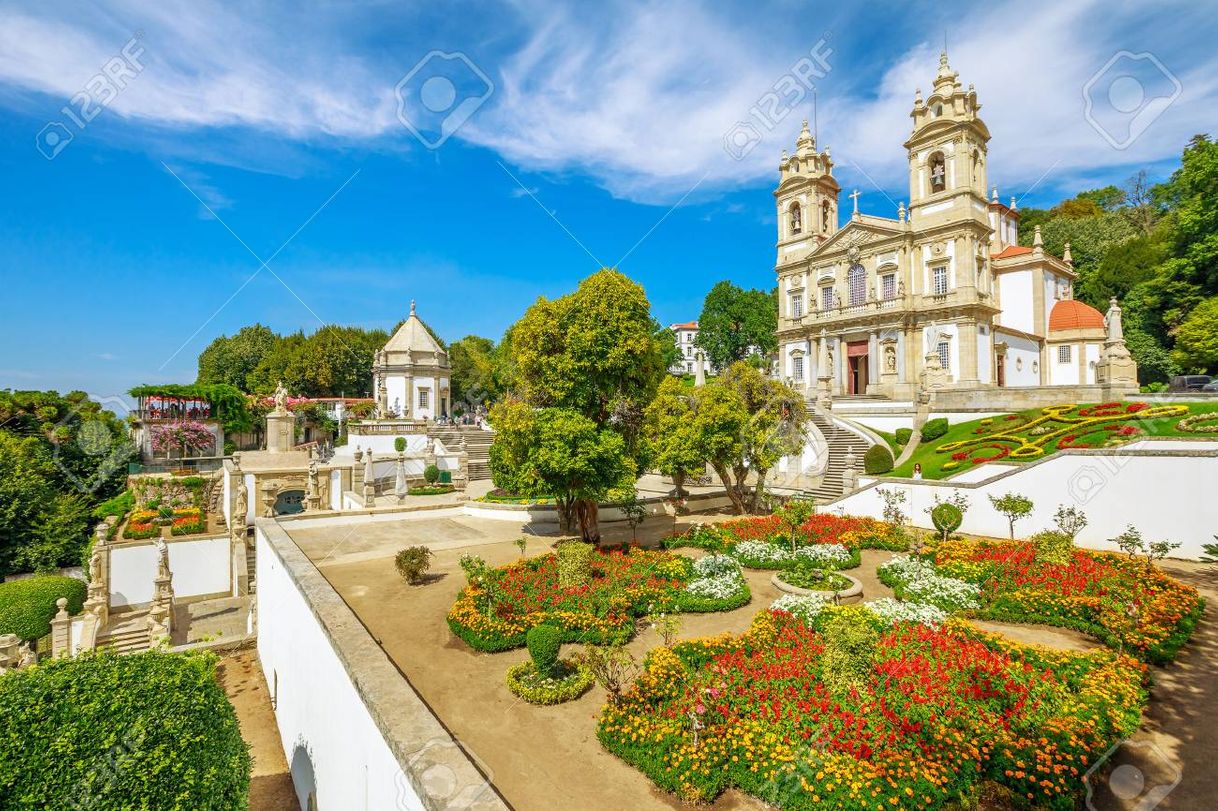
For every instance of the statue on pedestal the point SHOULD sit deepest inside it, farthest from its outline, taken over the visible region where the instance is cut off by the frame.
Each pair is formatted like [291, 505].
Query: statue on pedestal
[281, 398]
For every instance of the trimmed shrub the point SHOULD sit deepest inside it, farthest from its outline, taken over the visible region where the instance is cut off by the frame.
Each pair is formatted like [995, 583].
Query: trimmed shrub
[946, 517]
[877, 460]
[431, 474]
[399, 444]
[574, 563]
[109, 732]
[851, 640]
[570, 682]
[413, 562]
[1053, 547]
[933, 429]
[28, 606]
[903, 436]
[544, 642]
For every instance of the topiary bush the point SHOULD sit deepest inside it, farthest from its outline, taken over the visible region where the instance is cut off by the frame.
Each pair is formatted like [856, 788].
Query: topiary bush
[399, 444]
[544, 642]
[413, 562]
[28, 606]
[109, 733]
[947, 518]
[934, 429]
[574, 563]
[877, 460]
[904, 435]
[431, 474]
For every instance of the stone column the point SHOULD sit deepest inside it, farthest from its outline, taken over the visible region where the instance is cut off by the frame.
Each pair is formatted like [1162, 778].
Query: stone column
[969, 376]
[408, 406]
[61, 631]
[369, 481]
[824, 373]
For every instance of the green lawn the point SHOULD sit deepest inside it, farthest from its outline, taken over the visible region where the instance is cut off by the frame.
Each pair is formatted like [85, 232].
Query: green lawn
[1032, 435]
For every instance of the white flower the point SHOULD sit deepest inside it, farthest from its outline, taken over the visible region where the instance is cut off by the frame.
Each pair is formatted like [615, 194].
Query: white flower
[761, 552]
[892, 610]
[716, 566]
[824, 553]
[805, 607]
[922, 583]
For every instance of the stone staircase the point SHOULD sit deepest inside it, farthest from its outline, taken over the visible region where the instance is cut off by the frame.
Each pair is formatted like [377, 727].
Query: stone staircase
[215, 497]
[477, 445]
[251, 568]
[126, 633]
[841, 442]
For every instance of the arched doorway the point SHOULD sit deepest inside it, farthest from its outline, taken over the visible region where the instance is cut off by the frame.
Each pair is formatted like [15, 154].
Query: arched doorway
[289, 502]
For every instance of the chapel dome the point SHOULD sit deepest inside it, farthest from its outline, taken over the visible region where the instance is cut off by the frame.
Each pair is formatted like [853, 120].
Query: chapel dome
[1070, 314]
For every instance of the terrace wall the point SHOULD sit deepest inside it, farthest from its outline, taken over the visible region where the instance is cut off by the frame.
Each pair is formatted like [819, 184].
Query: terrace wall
[1167, 493]
[355, 733]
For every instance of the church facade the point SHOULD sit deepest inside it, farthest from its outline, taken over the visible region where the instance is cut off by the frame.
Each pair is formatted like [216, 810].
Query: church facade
[942, 296]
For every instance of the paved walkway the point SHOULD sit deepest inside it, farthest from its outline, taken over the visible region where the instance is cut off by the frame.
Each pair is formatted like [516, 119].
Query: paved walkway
[270, 784]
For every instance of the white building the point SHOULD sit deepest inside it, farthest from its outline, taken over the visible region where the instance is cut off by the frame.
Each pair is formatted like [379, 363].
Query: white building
[410, 375]
[686, 333]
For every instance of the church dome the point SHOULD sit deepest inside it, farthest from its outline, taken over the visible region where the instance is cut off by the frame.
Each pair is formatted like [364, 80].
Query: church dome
[1071, 314]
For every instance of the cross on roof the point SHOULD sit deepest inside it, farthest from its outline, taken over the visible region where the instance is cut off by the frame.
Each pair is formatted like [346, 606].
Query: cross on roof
[855, 197]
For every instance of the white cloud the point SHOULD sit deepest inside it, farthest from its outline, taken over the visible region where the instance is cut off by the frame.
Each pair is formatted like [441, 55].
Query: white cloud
[637, 96]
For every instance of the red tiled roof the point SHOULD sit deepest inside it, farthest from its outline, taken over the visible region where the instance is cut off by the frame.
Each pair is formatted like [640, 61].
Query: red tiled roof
[1073, 314]
[686, 325]
[1011, 250]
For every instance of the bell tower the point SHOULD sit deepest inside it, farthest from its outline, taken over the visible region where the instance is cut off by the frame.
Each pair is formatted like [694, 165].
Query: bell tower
[806, 198]
[947, 153]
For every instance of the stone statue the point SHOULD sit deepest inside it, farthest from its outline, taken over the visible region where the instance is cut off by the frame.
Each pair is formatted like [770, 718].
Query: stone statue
[95, 566]
[27, 655]
[934, 335]
[890, 358]
[281, 397]
[1112, 321]
[162, 557]
[241, 512]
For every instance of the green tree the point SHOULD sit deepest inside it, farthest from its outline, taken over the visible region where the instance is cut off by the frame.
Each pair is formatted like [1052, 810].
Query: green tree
[667, 339]
[742, 424]
[231, 360]
[669, 434]
[592, 352]
[1014, 506]
[43, 525]
[736, 323]
[1197, 339]
[560, 453]
[473, 370]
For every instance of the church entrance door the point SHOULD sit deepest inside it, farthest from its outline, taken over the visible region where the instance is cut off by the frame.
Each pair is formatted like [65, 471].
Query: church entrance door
[856, 375]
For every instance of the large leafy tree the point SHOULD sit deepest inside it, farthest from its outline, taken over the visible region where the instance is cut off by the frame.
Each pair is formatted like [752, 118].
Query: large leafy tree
[742, 423]
[1197, 339]
[557, 452]
[669, 351]
[231, 359]
[473, 361]
[669, 436]
[42, 525]
[736, 323]
[593, 353]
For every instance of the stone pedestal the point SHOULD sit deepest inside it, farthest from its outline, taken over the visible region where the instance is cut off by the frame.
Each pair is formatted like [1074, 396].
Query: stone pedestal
[934, 376]
[280, 431]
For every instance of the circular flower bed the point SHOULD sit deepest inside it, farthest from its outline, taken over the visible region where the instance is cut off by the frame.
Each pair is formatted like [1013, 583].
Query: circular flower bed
[929, 714]
[496, 612]
[1200, 423]
[763, 543]
[571, 682]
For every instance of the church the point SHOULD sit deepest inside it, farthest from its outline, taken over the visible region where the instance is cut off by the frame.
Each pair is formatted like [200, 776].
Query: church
[941, 297]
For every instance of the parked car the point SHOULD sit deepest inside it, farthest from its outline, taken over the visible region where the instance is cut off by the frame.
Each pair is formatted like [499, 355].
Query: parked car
[1189, 382]
[1211, 387]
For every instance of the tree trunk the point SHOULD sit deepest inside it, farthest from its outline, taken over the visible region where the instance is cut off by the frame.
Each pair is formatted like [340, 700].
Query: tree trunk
[729, 487]
[566, 515]
[588, 512]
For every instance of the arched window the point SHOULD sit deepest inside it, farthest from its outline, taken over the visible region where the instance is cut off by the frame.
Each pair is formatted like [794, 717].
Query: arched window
[797, 219]
[826, 215]
[856, 282]
[938, 172]
[794, 166]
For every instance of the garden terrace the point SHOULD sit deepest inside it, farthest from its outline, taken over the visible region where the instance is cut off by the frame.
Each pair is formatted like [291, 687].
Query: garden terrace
[1031, 435]
[537, 754]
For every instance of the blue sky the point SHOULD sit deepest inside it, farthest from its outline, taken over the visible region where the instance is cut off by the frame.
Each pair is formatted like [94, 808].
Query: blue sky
[238, 135]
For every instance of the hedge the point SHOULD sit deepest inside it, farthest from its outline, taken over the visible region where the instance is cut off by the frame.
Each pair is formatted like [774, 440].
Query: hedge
[933, 429]
[903, 436]
[28, 606]
[877, 460]
[109, 732]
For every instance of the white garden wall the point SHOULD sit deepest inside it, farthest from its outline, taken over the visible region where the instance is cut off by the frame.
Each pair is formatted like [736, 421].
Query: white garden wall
[200, 567]
[1166, 494]
[355, 734]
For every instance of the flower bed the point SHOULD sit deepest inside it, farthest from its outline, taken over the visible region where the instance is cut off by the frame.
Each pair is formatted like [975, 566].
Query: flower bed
[1108, 595]
[762, 542]
[190, 521]
[142, 524]
[495, 614]
[938, 711]
[919, 581]
[571, 682]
